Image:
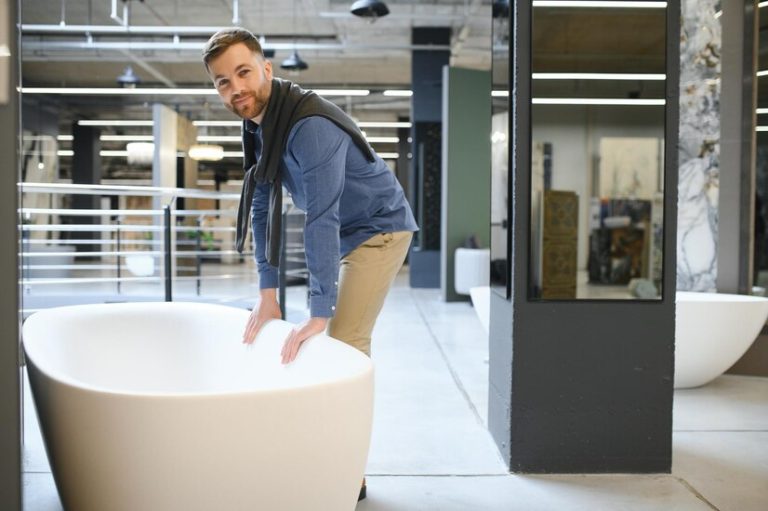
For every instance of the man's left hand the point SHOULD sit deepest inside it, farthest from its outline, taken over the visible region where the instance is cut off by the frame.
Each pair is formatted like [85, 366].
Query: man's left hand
[300, 334]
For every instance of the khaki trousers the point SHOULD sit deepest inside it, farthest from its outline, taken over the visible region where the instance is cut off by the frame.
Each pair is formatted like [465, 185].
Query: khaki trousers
[365, 276]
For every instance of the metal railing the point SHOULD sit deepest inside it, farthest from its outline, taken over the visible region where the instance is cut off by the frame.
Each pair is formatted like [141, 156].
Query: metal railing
[165, 240]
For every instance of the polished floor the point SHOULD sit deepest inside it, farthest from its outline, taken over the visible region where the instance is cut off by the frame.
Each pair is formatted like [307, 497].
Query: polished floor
[431, 450]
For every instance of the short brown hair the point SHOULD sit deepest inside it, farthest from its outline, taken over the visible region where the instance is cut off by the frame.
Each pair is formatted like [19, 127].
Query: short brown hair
[227, 37]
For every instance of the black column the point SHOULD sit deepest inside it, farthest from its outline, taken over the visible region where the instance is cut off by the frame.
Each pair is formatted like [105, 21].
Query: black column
[581, 386]
[86, 170]
[426, 168]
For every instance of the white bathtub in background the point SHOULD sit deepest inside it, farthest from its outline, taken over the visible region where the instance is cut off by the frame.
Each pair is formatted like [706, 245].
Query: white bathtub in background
[712, 331]
[159, 406]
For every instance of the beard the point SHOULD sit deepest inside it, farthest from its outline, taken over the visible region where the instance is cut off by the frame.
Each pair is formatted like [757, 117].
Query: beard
[250, 103]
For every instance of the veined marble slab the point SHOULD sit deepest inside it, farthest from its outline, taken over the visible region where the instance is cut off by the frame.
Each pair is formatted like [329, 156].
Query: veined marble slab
[699, 153]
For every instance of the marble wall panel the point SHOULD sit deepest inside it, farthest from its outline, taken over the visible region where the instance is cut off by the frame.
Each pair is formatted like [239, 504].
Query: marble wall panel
[699, 152]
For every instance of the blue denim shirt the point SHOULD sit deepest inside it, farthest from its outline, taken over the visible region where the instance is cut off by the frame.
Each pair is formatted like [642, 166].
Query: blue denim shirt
[346, 199]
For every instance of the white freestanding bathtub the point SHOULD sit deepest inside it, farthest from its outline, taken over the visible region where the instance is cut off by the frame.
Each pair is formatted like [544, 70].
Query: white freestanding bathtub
[160, 407]
[712, 331]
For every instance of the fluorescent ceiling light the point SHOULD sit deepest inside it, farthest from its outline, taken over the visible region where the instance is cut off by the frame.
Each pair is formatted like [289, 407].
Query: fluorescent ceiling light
[341, 92]
[389, 156]
[112, 138]
[126, 138]
[598, 76]
[762, 4]
[500, 93]
[399, 93]
[596, 101]
[115, 123]
[383, 140]
[761, 111]
[763, 72]
[599, 3]
[4, 50]
[101, 153]
[761, 128]
[219, 138]
[118, 91]
[383, 124]
[233, 154]
[147, 91]
[218, 123]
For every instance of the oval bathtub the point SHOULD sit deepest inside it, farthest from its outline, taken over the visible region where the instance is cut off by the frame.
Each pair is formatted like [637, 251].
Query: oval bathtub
[159, 406]
[712, 332]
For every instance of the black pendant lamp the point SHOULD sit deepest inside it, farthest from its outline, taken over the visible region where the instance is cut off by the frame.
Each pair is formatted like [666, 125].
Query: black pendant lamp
[369, 9]
[294, 63]
[500, 9]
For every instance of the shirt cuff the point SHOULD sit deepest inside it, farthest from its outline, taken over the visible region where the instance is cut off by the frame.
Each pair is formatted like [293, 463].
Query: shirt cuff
[322, 306]
[268, 279]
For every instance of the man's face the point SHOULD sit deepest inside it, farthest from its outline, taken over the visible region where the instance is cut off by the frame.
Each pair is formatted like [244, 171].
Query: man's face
[243, 80]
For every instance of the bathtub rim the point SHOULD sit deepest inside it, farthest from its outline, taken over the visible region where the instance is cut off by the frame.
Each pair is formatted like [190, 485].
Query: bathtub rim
[699, 297]
[77, 384]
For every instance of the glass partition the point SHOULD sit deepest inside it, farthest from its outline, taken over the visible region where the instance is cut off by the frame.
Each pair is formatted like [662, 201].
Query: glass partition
[597, 150]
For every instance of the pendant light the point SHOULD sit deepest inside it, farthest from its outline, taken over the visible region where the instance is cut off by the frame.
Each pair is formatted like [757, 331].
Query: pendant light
[128, 79]
[294, 62]
[500, 9]
[205, 152]
[369, 9]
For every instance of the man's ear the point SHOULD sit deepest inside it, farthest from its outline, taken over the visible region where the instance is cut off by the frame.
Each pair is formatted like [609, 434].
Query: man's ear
[268, 69]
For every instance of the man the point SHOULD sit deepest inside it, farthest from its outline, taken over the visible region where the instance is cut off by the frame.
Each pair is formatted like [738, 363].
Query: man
[358, 224]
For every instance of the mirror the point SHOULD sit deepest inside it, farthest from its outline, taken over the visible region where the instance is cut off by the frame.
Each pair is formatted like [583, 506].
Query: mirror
[597, 151]
[500, 164]
[760, 255]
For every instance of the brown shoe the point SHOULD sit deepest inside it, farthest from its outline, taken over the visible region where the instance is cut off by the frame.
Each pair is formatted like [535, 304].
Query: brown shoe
[362, 491]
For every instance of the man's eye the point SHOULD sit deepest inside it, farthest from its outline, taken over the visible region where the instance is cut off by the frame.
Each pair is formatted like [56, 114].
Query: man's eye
[221, 84]
[244, 72]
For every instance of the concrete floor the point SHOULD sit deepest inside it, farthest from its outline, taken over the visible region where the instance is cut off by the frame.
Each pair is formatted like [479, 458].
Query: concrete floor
[431, 450]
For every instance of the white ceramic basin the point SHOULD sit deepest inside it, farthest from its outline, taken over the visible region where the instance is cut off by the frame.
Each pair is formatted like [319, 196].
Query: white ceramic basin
[159, 406]
[712, 331]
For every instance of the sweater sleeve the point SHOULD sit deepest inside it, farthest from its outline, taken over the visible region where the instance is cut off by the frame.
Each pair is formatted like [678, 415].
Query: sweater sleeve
[268, 277]
[319, 148]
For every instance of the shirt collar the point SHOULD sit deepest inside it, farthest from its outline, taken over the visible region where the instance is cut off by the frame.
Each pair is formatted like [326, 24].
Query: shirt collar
[250, 126]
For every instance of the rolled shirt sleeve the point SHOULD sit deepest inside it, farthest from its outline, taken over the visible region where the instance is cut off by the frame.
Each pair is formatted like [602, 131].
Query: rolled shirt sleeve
[268, 276]
[320, 148]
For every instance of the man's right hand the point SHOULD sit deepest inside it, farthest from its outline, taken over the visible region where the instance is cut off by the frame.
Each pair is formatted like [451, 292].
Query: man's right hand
[266, 309]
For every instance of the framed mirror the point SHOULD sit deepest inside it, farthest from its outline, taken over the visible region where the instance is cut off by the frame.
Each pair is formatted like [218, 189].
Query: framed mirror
[500, 154]
[597, 150]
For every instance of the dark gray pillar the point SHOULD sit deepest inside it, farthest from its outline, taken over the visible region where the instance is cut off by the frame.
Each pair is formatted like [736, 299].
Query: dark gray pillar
[10, 375]
[426, 116]
[86, 170]
[738, 142]
[581, 386]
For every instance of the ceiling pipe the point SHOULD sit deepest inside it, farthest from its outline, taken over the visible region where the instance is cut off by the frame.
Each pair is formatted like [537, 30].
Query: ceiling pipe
[139, 30]
[126, 13]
